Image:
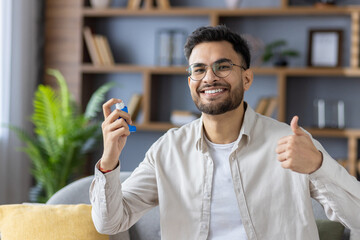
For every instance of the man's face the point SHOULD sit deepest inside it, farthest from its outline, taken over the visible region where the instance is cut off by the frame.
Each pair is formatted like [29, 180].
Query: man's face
[215, 95]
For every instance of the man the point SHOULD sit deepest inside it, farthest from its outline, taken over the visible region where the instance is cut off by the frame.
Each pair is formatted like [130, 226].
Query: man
[232, 174]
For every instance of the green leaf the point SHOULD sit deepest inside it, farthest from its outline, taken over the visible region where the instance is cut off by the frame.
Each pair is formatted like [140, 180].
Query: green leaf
[94, 105]
[271, 46]
[62, 135]
[290, 53]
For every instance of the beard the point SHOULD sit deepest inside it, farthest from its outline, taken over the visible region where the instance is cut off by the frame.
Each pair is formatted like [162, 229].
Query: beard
[230, 103]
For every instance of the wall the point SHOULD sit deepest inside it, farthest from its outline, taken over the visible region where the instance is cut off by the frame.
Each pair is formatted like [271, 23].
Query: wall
[134, 39]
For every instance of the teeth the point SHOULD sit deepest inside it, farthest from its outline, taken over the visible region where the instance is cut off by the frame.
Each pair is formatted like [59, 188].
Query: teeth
[214, 91]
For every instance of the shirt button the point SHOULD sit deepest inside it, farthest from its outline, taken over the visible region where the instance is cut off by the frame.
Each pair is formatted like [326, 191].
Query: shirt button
[207, 195]
[203, 226]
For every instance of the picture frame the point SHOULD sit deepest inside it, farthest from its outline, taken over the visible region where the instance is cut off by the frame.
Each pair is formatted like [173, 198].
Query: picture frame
[325, 48]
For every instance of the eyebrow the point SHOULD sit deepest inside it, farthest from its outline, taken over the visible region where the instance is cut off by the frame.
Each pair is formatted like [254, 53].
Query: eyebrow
[221, 60]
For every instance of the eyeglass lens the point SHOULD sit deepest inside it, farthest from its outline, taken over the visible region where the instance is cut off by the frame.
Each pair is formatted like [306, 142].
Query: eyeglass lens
[197, 71]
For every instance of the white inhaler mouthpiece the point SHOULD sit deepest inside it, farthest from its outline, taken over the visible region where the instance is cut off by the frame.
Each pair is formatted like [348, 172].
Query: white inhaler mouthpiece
[120, 105]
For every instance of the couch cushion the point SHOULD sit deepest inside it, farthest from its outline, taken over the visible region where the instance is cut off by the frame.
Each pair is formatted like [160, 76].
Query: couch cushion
[329, 230]
[44, 222]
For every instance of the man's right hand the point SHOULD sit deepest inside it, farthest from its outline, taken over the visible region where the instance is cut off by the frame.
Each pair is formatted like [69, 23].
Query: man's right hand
[115, 132]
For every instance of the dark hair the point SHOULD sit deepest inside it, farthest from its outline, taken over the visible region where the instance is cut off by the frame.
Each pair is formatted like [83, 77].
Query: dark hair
[218, 33]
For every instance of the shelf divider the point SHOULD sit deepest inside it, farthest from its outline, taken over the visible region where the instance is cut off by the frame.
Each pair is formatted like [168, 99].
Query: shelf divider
[355, 42]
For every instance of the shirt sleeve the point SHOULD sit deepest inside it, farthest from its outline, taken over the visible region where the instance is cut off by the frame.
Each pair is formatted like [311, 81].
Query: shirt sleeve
[117, 206]
[338, 191]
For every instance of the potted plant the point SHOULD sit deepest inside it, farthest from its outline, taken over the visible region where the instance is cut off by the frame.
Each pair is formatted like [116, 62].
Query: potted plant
[62, 136]
[275, 50]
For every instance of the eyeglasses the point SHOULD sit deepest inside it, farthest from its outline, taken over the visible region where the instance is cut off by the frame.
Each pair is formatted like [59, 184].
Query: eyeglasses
[221, 69]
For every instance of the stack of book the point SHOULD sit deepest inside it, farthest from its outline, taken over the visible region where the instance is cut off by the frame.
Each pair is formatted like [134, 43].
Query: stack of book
[267, 106]
[98, 47]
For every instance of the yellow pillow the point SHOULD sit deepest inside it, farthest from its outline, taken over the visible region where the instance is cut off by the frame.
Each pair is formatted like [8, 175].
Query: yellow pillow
[45, 222]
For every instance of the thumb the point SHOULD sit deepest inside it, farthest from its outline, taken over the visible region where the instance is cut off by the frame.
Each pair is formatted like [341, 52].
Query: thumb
[295, 127]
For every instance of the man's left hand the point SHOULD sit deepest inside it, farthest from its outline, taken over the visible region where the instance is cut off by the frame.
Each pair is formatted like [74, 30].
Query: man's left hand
[298, 152]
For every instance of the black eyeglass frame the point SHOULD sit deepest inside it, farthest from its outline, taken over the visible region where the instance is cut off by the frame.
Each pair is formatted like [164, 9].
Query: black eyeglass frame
[212, 69]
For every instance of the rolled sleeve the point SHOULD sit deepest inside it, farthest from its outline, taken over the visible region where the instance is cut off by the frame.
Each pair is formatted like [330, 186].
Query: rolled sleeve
[337, 191]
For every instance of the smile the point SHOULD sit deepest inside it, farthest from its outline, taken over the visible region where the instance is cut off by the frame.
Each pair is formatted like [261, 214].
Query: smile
[214, 91]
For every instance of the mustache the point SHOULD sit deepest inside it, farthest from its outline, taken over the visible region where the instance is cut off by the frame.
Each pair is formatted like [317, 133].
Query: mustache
[200, 88]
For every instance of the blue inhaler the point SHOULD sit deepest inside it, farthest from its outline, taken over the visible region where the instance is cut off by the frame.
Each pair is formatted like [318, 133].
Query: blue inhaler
[121, 106]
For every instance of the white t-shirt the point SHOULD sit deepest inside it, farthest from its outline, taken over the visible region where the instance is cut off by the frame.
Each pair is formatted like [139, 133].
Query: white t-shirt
[225, 220]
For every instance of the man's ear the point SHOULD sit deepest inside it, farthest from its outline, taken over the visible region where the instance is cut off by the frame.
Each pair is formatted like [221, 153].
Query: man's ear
[248, 78]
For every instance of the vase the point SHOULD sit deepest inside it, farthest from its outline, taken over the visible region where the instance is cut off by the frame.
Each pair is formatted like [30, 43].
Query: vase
[100, 3]
[232, 3]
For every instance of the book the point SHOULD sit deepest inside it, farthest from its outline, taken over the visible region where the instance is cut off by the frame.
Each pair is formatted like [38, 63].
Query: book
[266, 106]
[91, 46]
[103, 50]
[134, 4]
[271, 106]
[100, 53]
[262, 105]
[108, 51]
[148, 4]
[134, 105]
[163, 4]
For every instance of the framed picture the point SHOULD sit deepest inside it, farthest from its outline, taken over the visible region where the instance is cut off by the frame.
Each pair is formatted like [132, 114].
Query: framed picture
[325, 48]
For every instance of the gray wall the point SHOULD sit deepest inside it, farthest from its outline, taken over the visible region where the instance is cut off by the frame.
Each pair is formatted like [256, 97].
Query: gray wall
[133, 38]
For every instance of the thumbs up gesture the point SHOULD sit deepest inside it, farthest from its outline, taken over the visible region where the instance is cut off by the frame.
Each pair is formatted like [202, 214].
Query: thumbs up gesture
[297, 152]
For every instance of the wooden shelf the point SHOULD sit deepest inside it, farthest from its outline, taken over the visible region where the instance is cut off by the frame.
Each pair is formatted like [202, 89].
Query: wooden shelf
[336, 133]
[181, 11]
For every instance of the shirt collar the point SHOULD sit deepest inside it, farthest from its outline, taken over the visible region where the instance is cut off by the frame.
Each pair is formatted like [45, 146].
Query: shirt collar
[246, 128]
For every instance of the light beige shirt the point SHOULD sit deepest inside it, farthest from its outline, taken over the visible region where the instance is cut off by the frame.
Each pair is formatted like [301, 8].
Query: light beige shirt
[177, 173]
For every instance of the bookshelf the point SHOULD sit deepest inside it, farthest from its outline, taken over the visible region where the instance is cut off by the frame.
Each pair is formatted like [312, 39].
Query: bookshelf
[66, 19]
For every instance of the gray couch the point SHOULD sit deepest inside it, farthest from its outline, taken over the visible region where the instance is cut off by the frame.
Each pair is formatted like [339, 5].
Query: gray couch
[148, 227]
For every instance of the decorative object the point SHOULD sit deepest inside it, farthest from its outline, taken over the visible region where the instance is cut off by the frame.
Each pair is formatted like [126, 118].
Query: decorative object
[100, 3]
[232, 3]
[275, 50]
[329, 113]
[169, 47]
[257, 48]
[325, 48]
[62, 135]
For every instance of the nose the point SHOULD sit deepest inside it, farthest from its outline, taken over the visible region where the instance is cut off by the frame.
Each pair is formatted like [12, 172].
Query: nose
[209, 76]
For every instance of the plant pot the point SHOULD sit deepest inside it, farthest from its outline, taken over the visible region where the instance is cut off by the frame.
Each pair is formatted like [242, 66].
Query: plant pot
[281, 62]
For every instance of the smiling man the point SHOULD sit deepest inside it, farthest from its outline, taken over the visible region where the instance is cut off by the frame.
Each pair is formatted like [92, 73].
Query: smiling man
[231, 174]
